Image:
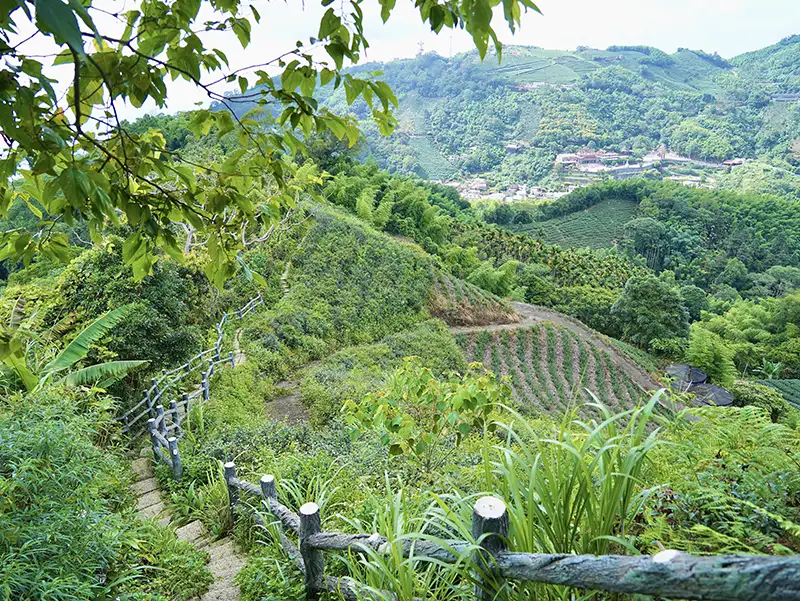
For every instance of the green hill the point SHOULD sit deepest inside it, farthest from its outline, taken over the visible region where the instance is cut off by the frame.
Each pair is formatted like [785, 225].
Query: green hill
[596, 227]
[458, 115]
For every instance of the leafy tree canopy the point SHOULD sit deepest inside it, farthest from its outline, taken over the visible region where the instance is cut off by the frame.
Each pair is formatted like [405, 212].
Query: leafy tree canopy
[72, 159]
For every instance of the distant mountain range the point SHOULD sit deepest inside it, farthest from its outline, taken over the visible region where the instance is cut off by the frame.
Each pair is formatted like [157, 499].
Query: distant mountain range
[460, 117]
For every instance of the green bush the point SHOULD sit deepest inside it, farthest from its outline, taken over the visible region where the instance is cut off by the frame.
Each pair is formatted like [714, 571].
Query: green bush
[712, 354]
[67, 526]
[750, 393]
[351, 283]
[355, 371]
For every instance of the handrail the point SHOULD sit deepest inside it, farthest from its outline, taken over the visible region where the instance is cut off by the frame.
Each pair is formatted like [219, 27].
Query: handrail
[164, 383]
[669, 574]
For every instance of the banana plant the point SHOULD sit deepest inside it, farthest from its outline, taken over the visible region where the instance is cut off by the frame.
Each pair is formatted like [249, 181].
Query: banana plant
[59, 369]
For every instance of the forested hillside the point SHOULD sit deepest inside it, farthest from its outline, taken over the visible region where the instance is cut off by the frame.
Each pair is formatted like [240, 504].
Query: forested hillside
[460, 117]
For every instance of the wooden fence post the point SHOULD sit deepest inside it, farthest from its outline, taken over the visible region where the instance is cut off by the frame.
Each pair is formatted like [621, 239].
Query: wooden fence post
[124, 422]
[233, 492]
[205, 386]
[233, 359]
[210, 370]
[151, 426]
[268, 487]
[311, 524]
[187, 367]
[490, 529]
[173, 409]
[149, 403]
[185, 405]
[162, 427]
[175, 458]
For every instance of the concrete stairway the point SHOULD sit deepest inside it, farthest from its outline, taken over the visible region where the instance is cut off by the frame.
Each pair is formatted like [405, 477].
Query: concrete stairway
[224, 561]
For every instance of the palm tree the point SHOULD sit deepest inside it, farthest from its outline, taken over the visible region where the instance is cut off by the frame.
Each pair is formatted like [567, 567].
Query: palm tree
[58, 369]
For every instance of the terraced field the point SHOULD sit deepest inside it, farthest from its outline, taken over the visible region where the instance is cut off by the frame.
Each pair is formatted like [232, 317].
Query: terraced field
[595, 227]
[459, 303]
[550, 367]
[790, 389]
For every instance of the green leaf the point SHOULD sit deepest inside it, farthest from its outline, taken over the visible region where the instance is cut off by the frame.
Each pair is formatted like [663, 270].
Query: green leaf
[330, 23]
[53, 16]
[111, 370]
[78, 348]
[75, 186]
[395, 449]
[17, 363]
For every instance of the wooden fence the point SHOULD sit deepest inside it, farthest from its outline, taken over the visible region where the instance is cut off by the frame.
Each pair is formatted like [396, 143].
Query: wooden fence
[164, 425]
[669, 574]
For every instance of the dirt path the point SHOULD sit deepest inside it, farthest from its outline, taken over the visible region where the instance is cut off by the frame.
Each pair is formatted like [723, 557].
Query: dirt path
[533, 314]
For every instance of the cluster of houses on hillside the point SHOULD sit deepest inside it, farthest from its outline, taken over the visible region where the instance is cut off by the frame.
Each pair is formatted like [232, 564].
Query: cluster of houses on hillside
[585, 166]
[478, 189]
[622, 165]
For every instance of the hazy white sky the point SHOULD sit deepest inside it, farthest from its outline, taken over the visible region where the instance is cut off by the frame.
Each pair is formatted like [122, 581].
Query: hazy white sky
[729, 27]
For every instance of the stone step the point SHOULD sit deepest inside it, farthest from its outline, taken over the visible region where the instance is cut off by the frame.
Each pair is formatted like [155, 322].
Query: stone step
[191, 532]
[224, 592]
[143, 487]
[142, 469]
[220, 542]
[146, 500]
[216, 553]
[225, 569]
[152, 511]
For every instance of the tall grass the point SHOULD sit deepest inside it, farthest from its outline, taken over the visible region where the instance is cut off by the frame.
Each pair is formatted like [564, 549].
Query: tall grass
[574, 489]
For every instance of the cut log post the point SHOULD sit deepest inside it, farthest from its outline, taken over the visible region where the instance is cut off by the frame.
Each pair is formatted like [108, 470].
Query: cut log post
[175, 458]
[162, 427]
[151, 427]
[310, 524]
[149, 402]
[490, 530]
[239, 312]
[125, 422]
[210, 370]
[232, 359]
[205, 386]
[233, 492]
[173, 409]
[268, 488]
[187, 367]
[185, 406]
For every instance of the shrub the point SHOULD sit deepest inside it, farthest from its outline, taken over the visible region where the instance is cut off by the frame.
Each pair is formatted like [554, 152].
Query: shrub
[66, 529]
[650, 308]
[709, 352]
[750, 393]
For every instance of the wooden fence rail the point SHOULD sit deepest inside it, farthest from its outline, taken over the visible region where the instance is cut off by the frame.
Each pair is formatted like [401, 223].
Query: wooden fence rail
[134, 421]
[669, 574]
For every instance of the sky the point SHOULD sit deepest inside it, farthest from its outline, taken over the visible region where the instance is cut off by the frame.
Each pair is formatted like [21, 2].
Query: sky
[728, 27]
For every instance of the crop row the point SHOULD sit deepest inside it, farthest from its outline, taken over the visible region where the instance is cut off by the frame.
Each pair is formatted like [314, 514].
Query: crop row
[550, 369]
[790, 389]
